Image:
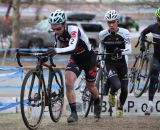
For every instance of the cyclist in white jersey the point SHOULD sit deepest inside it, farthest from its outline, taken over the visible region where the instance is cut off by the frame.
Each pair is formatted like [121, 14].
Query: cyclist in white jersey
[72, 40]
[113, 41]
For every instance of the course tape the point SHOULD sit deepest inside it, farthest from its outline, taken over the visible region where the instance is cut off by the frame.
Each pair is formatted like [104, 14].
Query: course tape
[44, 50]
[37, 50]
[35, 59]
[8, 105]
[55, 59]
[25, 49]
[16, 71]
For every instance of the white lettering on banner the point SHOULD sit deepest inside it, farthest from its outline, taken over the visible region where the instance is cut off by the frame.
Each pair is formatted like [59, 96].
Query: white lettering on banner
[133, 106]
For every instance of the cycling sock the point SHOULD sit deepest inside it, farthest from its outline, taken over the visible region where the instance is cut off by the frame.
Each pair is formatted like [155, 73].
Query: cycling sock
[119, 105]
[73, 107]
[96, 101]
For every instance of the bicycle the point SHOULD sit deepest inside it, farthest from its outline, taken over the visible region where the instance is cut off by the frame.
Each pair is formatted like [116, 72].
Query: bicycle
[139, 76]
[140, 70]
[35, 94]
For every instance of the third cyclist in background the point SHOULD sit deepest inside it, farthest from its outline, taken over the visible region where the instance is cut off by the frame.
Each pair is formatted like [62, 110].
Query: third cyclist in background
[155, 63]
[114, 40]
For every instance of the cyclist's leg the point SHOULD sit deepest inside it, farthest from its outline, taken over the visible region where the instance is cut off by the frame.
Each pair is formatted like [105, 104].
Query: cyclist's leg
[153, 81]
[115, 86]
[154, 68]
[154, 73]
[91, 71]
[113, 78]
[122, 73]
[114, 81]
[71, 74]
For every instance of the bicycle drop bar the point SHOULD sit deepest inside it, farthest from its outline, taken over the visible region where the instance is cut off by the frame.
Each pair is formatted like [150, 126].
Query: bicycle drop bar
[37, 54]
[145, 40]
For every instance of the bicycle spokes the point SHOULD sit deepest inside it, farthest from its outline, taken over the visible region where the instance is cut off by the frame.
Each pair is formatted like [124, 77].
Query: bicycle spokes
[56, 96]
[32, 100]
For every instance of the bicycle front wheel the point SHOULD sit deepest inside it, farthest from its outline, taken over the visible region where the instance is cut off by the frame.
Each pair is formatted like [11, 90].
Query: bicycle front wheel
[100, 83]
[56, 95]
[32, 101]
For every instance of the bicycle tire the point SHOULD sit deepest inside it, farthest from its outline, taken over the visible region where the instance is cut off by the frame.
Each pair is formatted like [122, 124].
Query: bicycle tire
[100, 80]
[139, 88]
[86, 96]
[87, 101]
[34, 99]
[132, 75]
[56, 95]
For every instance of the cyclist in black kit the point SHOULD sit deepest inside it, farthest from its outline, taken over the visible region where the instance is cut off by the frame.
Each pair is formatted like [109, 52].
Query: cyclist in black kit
[155, 63]
[71, 39]
[112, 40]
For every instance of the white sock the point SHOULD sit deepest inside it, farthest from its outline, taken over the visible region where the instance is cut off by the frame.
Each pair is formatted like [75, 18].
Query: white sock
[150, 103]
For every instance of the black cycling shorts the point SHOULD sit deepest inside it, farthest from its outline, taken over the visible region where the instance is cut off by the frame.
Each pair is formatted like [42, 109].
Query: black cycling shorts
[89, 65]
[119, 70]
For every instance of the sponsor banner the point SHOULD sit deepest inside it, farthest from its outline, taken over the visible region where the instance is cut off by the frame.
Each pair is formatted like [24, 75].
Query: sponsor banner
[133, 106]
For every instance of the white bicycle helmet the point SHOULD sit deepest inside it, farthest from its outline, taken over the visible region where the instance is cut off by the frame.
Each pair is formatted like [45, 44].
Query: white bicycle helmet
[111, 15]
[57, 17]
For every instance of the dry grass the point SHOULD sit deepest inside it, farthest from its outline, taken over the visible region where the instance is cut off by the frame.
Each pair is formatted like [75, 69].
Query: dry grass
[14, 122]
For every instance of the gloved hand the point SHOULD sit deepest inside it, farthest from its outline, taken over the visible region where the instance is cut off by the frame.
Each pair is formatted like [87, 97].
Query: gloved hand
[51, 51]
[44, 59]
[101, 63]
[117, 53]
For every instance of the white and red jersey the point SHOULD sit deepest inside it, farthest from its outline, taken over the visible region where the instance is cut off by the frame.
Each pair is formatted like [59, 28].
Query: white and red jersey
[73, 41]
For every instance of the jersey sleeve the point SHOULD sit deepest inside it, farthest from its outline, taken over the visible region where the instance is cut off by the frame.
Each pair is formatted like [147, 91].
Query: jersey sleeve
[128, 46]
[146, 31]
[74, 33]
[101, 45]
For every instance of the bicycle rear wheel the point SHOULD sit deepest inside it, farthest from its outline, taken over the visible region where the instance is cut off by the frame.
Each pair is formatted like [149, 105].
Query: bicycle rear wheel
[56, 94]
[141, 78]
[87, 101]
[86, 96]
[32, 101]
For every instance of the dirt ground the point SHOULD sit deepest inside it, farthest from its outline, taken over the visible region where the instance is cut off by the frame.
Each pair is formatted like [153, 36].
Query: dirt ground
[14, 122]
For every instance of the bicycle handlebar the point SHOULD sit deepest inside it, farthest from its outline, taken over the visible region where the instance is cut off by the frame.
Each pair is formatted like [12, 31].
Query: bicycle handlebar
[145, 40]
[122, 50]
[37, 54]
[149, 42]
